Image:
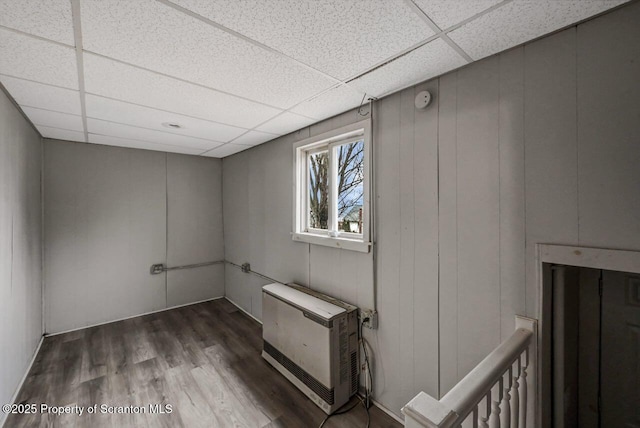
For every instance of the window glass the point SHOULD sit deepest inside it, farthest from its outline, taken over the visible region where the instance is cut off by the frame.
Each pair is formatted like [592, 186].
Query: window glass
[318, 190]
[350, 185]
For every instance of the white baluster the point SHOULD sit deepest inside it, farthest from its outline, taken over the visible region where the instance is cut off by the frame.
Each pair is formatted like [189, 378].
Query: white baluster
[505, 405]
[515, 402]
[475, 417]
[523, 398]
[494, 418]
[483, 420]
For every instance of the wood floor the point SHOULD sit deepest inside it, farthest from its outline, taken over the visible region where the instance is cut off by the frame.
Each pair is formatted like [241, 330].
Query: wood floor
[204, 360]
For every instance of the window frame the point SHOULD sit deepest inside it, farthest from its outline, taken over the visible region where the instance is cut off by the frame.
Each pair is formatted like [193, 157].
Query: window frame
[330, 141]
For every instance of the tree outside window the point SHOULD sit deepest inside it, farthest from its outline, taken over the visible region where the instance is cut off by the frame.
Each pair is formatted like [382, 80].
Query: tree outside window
[350, 186]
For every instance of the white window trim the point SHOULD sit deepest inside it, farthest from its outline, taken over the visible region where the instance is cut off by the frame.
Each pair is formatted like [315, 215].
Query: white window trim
[345, 240]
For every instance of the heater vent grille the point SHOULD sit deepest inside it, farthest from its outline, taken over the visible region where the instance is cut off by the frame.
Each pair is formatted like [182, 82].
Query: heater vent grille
[322, 391]
[354, 372]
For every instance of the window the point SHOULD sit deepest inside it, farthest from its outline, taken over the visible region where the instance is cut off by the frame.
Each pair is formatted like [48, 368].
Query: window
[331, 201]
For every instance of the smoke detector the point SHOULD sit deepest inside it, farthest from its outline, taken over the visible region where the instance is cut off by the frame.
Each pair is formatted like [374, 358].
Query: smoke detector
[423, 99]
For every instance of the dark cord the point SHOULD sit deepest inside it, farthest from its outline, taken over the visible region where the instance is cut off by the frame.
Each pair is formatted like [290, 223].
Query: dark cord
[366, 360]
[339, 412]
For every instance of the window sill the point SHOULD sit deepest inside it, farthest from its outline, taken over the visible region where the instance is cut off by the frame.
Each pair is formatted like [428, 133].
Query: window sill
[328, 241]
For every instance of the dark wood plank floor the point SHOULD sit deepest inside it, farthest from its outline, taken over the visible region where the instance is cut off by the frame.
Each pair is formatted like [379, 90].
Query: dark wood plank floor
[204, 360]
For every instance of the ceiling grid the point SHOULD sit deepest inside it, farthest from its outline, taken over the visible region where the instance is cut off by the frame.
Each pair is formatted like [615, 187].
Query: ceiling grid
[213, 78]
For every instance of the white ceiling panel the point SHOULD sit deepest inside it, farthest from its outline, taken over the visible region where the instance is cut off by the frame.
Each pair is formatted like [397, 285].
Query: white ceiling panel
[447, 13]
[61, 134]
[237, 73]
[27, 93]
[145, 117]
[285, 123]
[522, 20]
[330, 103]
[112, 129]
[34, 59]
[226, 150]
[428, 61]
[253, 138]
[340, 38]
[55, 119]
[152, 35]
[116, 80]
[145, 145]
[50, 19]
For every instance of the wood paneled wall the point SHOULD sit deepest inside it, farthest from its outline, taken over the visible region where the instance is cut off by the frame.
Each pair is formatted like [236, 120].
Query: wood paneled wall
[109, 214]
[539, 144]
[20, 247]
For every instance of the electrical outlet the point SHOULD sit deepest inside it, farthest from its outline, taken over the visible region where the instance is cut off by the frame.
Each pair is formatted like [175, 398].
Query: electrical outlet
[157, 268]
[372, 321]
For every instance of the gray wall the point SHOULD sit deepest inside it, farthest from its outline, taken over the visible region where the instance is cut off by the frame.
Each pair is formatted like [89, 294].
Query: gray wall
[20, 247]
[537, 144]
[112, 212]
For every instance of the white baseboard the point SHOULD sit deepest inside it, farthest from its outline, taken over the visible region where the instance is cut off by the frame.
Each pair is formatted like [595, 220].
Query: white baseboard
[243, 310]
[3, 416]
[134, 316]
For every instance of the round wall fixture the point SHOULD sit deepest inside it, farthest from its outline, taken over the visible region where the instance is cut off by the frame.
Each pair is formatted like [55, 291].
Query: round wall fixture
[172, 125]
[423, 99]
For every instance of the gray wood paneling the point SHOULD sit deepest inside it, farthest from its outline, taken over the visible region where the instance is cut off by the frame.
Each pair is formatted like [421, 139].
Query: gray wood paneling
[478, 212]
[609, 129]
[512, 189]
[425, 251]
[406, 253]
[448, 231]
[194, 228]
[194, 285]
[388, 365]
[20, 246]
[550, 148]
[105, 224]
[112, 212]
[235, 185]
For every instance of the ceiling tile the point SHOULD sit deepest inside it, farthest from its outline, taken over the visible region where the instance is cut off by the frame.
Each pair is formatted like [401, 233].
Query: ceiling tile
[253, 138]
[447, 13]
[50, 19]
[61, 134]
[134, 144]
[39, 60]
[116, 80]
[142, 134]
[27, 93]
[53, 118]
[285, 123]
[152, 35]
[430, 60]
[145, 117]
[226, 150]
[523, 20]
[340, 38]
[330, 103]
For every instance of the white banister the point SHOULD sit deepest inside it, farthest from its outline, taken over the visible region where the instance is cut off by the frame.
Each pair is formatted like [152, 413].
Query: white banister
[515, 404]
[505, 404]
[505, 401]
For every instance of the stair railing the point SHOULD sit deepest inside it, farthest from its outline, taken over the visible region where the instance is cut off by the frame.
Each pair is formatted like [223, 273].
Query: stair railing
[497, 393]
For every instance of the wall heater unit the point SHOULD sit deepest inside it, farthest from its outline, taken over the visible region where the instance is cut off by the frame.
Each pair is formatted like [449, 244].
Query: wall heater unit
[312, 339]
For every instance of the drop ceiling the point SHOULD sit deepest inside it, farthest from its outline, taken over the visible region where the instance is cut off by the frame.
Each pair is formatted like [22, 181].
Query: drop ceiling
[215, 77]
